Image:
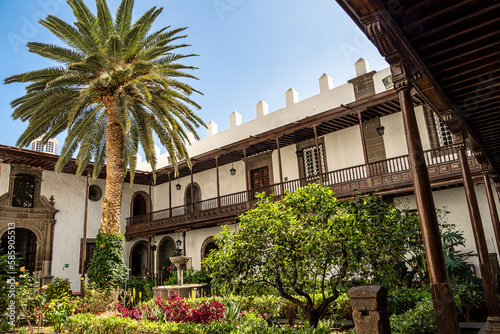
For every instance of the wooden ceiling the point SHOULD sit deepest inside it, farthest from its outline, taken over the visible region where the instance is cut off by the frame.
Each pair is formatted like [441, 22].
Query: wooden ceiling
[456, 46]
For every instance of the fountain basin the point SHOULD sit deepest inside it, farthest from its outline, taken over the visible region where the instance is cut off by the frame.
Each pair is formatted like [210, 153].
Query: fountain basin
[183, 291]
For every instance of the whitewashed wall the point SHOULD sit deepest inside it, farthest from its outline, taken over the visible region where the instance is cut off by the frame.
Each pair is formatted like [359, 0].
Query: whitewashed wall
[69, 196]
[4, 178]
[454, 200]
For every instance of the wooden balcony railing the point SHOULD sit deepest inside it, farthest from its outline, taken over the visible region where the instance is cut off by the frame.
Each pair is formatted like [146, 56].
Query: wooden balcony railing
[390, 173]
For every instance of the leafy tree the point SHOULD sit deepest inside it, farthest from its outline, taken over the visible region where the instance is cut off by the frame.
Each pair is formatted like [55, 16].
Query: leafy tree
[117, 85]
[308, 245]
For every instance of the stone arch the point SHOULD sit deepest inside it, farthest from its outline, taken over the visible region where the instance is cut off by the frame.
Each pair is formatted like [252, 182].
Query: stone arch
[27, 244]
[207, 246]
[145, 205]
[138, 258]
[166, 248]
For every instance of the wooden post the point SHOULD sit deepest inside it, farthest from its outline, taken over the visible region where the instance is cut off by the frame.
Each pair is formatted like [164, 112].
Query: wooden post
[318, 154]
[493, 208]
[490, 291]
[282, 192]
[442, 295]
[150, 201]
[84, 239]
[363, 142]
[218, 184]
[192, 194]
[246, 177]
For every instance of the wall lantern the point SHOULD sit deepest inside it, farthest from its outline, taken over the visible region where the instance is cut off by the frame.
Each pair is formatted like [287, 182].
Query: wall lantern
[153, 246]
[178, 186]
[299, 153]
[178, 247]
[381, 130]
[232, 170]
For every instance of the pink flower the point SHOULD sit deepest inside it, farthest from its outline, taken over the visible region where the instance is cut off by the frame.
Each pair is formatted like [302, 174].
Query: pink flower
[170, 267]
[162, 267]
[265, 314]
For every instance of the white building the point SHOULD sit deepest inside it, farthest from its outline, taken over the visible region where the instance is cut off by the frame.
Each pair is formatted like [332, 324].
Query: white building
[356, 127]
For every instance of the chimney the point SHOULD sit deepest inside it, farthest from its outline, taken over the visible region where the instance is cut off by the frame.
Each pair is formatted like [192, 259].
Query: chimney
[362, 67]
[190, 137]
[325, 83]
[157, 151]
[234, 119]
[292, 97]
[262, 108]
[212, 128]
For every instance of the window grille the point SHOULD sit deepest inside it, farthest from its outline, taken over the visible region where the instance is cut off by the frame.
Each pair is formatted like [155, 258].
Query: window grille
[89, 253]
[311, 167]
[444, 134]
[23, 195]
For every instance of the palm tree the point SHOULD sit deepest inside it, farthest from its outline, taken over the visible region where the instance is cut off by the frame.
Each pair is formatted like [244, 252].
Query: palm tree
[117, 85]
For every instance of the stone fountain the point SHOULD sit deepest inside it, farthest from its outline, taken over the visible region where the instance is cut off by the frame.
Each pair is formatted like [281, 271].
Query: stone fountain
[182, 290]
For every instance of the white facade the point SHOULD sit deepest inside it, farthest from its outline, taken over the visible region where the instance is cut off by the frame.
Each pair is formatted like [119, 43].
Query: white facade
[52, 146]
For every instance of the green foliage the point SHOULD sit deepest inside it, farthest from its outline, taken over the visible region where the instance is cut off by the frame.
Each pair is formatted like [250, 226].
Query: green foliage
[191, 276]
[30, 300]
[143, 289]
[107, 268]
[417, 320]
[468, 297]
[58, 310]
[249, 323]
[95, 299]
[59, 288]
[109, 70]
[309, 243]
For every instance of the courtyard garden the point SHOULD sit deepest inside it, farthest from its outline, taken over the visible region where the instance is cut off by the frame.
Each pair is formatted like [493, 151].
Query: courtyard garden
[286, 269]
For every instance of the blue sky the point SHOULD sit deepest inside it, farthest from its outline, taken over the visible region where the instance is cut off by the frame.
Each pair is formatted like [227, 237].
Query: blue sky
[248, 50]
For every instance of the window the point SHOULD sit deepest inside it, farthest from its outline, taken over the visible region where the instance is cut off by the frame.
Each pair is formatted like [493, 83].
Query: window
[311, 167]
[23, 195]
[89, 253]
[444, 134]
[95, 193]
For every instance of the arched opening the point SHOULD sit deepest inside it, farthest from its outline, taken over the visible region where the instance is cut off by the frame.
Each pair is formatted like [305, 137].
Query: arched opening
[208, 246]
[196, 197]
[25, 243]
[139, 206]
[165, 250]
[139, 258]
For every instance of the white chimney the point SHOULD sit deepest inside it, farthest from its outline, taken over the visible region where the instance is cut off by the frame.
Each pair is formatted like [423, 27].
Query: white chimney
[157, 151]
[212, 128]
[362, 67]
[234, 119]
[190, 137]
[325, 83]
[262, 108]
[292, 97]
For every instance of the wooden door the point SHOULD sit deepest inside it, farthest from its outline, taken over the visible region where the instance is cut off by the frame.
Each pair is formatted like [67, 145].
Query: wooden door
[259, 181]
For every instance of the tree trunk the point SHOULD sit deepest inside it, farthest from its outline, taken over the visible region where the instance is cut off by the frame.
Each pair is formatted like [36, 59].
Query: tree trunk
[115, 161]
[312, 316]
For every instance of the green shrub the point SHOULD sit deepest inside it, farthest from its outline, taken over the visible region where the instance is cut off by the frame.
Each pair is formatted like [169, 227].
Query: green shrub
[417, 320]
[467, 298]
[403, 299]
[60, 287]
[107, 268]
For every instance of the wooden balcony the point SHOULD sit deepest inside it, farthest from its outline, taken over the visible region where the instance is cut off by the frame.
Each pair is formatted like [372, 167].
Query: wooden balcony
[391, 176]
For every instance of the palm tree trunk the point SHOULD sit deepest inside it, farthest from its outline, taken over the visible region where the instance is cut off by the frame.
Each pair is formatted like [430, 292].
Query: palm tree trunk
[111, 204]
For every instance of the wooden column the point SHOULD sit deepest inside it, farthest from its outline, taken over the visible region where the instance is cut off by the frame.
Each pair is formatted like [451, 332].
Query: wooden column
[169, 195]
[442, 295]
[218, 184]
[363, 142]
[493, 208]
[318, 154]
[282, 192]
[490, 290]
[148, 269]
[246, 177]
[84, 239]
[150, 181]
